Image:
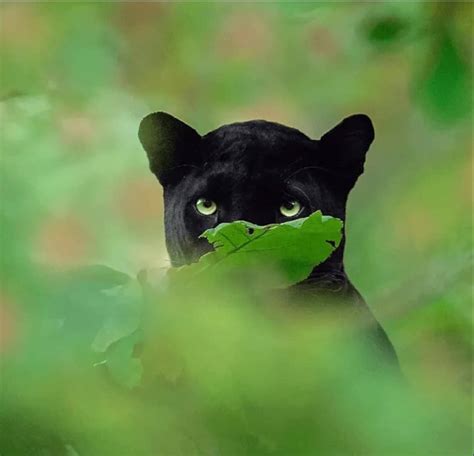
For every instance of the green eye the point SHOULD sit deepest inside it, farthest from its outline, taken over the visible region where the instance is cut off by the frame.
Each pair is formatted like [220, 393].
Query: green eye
[290, 208]
[205, 206]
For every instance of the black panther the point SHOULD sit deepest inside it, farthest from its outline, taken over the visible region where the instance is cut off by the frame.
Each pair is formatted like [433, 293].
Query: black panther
[262, 172]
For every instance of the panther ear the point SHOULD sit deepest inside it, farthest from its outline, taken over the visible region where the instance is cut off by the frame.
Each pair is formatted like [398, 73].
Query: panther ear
[170, 145]
[343, 148]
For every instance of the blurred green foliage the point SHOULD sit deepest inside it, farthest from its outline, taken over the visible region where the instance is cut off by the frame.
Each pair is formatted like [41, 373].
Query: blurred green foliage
[76, 78]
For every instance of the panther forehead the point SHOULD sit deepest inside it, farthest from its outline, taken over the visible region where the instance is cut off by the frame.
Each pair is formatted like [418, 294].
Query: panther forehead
[256, 144]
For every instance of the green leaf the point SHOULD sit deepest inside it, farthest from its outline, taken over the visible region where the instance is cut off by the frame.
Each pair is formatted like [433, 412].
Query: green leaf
[124, 304]
[385, 30]
[97, 276]
[444, 89]
[120, 331]
[121, 363]
[292, 248]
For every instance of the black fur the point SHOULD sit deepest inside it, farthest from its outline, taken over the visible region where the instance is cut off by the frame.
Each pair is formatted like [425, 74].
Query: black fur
[249, 169]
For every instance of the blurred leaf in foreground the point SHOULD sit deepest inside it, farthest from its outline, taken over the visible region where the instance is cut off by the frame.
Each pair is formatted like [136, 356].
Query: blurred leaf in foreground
[124, 315]
[220, 369]
[123, 366]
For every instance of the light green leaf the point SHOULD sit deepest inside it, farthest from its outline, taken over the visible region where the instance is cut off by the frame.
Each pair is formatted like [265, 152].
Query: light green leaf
[293, 248]
[124, 313]
[124, 368]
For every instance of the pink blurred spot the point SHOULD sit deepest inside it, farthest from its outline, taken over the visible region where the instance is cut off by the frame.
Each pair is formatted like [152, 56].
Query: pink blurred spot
[322, 42]
[24, 28]
[245, 34]
[416, 227]
[140, 201]
[8, 324]
[63, 241]
[77, 129]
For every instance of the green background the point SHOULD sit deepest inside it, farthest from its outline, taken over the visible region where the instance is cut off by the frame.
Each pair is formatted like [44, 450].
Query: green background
[76, 79]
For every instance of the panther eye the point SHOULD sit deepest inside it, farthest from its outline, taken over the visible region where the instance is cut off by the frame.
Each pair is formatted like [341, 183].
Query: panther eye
[291, 208]
[206, 206]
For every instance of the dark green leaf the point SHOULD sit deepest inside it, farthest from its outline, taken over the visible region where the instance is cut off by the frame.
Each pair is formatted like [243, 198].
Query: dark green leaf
[385, 30]
[444, 90]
